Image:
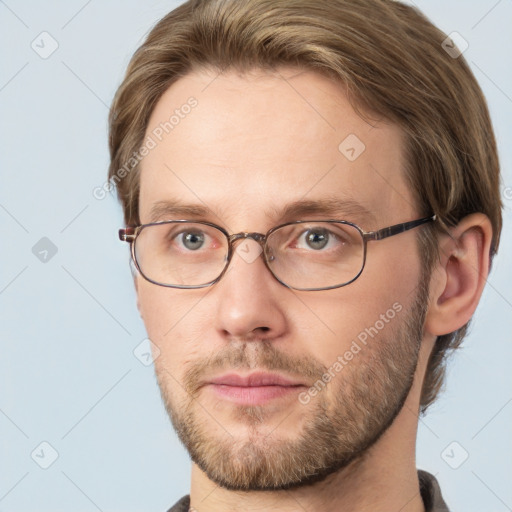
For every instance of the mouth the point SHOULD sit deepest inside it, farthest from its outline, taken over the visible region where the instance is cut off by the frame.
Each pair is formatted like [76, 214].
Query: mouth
[255, 388]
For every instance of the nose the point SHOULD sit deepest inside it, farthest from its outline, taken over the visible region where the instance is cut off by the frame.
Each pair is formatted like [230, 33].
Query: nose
[250, 301]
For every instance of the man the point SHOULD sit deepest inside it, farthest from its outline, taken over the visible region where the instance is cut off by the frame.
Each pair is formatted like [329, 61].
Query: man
[312, 207]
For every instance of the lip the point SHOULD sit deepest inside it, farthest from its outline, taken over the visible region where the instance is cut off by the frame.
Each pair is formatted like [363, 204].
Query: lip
[254, 380]
[255, 388]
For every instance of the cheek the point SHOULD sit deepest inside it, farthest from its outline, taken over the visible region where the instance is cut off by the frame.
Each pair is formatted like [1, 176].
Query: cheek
[163, 310]
[367, 310]
[173, 322]
[155, 308]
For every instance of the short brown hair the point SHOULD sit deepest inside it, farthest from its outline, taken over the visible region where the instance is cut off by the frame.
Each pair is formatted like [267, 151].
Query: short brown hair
[389, 58]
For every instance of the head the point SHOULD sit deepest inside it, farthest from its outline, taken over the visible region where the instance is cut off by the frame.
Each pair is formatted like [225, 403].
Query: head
[231, 112]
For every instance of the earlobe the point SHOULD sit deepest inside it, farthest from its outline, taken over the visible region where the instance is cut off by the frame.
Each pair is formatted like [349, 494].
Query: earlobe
[458, 280]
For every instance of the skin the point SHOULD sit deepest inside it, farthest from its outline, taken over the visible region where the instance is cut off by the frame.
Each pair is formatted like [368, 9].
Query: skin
[254, 143]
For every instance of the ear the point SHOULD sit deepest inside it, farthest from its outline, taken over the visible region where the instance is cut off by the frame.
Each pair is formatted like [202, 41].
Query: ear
[459, 278]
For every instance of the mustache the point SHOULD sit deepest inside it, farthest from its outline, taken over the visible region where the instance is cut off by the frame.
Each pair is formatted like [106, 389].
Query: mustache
[261, 355]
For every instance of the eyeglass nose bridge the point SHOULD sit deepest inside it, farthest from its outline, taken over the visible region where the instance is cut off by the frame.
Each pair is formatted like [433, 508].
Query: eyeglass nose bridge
[257, 237]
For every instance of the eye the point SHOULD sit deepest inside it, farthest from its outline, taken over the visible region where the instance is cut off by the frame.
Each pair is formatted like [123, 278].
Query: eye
[183, 239]
[191, 240]
[317, 239]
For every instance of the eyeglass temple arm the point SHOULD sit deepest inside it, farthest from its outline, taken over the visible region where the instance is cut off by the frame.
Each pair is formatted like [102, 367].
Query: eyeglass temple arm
[127, 234]
[397, 228]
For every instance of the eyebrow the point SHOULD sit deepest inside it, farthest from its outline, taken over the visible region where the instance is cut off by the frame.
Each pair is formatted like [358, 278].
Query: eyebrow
[168, 210]
[333, 207]
[330, 207]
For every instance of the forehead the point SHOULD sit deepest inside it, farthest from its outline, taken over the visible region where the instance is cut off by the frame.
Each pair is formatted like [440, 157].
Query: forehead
[245, 146]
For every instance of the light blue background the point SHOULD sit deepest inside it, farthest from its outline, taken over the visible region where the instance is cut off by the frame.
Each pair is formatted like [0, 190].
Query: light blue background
[69, 326]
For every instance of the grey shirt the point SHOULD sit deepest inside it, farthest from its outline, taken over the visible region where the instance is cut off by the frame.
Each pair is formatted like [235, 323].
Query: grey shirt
[429, 488]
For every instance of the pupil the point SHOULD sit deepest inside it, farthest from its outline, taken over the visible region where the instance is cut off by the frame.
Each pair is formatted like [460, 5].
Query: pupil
[317, 239]
[193, 241]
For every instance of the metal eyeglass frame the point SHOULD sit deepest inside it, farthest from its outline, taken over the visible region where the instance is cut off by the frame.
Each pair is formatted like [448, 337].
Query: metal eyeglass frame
[130, 234]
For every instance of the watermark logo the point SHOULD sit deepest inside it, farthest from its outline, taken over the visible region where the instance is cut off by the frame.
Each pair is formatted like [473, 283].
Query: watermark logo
[249, 250]
[44, 45]
[146, 352]
[455, 45]
[44, 250]
[351, 147]
[454, 455]
[44, 455]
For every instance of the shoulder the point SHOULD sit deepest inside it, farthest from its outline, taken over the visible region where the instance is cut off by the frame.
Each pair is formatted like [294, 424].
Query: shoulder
[431, 493]
[182, 505]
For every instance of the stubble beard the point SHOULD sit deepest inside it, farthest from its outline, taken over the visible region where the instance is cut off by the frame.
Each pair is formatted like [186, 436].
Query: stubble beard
[339, 426]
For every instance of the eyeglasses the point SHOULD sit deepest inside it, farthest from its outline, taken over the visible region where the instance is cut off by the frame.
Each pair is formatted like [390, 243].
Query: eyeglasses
[306, 255]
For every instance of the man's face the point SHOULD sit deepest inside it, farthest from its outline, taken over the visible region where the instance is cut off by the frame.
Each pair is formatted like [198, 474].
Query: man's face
[322, 374]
